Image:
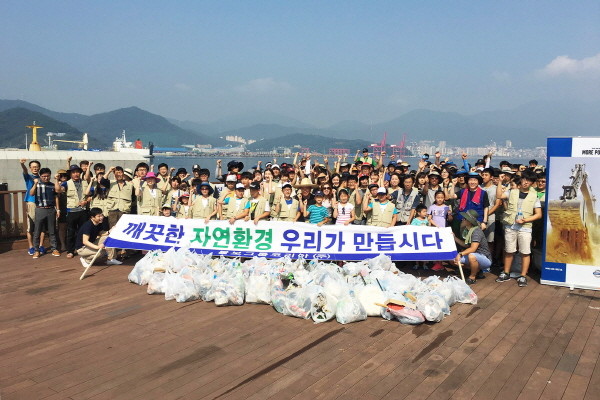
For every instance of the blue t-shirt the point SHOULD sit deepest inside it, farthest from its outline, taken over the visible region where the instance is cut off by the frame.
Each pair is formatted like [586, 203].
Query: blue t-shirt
[420, 222]
[28, 185]
[317, 214]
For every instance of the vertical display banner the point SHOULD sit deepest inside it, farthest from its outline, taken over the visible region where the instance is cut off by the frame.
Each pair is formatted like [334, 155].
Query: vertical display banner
[571, 253]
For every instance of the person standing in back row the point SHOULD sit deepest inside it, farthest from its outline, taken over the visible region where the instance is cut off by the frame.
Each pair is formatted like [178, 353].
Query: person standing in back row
[523, 207]
[76, 205]
[46, 202]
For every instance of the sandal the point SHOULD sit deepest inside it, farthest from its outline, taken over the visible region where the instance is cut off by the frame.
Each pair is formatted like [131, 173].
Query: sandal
[470, 281]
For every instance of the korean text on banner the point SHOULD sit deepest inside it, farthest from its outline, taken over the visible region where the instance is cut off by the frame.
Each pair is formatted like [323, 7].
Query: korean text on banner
[274, 239]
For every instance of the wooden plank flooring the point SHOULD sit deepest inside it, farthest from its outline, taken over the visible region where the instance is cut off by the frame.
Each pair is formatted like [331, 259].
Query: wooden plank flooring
[104, 338]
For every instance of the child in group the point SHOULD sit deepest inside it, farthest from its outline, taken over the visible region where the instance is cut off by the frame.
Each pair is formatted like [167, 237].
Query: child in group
[204, 204]
[420, 219]
[183, 211]
[343, 211]
[439, 213]
[149, 196]
[166, 211]
[287, 209]
[316, 213]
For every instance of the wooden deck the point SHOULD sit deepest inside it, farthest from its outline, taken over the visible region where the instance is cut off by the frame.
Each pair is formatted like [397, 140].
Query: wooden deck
[104, 338]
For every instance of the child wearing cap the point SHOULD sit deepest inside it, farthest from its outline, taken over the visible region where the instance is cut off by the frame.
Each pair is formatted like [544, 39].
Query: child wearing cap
[316, 213]
[259, 206]
[382, 212]
[288, 208]
[166, 211]
[238, 207]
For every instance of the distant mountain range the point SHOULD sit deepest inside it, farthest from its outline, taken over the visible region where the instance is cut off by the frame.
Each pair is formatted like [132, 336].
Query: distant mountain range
[102, 128]
[527, 126]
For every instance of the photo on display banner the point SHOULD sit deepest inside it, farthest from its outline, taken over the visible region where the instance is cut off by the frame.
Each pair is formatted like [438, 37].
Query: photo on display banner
[573, 223]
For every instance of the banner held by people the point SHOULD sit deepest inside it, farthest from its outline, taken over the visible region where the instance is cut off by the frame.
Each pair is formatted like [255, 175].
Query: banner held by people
[275, 239]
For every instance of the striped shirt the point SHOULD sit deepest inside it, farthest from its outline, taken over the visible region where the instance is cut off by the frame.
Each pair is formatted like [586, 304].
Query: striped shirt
[317, 214]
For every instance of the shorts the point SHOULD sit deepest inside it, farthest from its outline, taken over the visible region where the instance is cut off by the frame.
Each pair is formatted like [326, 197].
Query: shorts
[512, 238]
[30, 216]
[484, 262]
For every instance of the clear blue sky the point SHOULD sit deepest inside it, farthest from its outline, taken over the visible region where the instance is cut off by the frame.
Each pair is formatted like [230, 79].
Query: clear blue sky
[320, 62]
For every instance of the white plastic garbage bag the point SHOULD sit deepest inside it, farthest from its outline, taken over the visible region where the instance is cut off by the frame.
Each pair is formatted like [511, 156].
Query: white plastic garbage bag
[229, 289]
[144, 268]
[349, 310]
[404, 315]
[258, 289]
[368, 296]
[432, 306]
[297, 302]
[156, 283]
[323, 306]
[462, 291]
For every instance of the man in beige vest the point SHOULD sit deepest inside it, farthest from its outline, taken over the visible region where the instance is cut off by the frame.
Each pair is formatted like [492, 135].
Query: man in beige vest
[119, 196]
[523, 207]
[76, 205]
[259, 206]
[382, 211]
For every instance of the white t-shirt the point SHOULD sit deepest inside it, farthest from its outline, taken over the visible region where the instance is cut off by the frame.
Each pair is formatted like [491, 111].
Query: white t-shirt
[344, 211]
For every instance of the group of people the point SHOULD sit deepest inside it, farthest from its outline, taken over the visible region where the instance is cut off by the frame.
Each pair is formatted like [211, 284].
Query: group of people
[493, 211]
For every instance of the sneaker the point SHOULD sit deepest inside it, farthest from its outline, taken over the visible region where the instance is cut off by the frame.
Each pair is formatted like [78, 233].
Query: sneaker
[425, 267]
[42, 250]
[415, 267]
[69, 255]
[503, 277]
[36, 254]
[522, 281]
[56, 253]
[437, 267]
[31, 251]
[470, 281]
[114, 261]
[85, 265]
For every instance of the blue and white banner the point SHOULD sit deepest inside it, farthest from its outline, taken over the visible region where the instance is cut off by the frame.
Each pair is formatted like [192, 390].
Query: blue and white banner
[571, 254]
[274, 239]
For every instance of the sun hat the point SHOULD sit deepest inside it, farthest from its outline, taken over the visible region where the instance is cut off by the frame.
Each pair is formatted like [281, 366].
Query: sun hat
[62, 172]
[305, 183]
[128, 173]
[507, 170]
[474, 175]
[235, 164]
[205, 184]
[471, 216]
[150, 175]
[231, 178]
[181, 171]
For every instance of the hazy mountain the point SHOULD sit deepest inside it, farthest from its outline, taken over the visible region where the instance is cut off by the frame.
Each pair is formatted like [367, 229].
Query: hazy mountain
[456, 129]
[349, 126]
[198, 127]
[556, 118]
[13, 130]
[254, 118]
[69, 118]
[316, 143]
[143, 125]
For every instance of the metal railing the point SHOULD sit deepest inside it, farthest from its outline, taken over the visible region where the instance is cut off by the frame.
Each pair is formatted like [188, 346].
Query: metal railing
[13, 214]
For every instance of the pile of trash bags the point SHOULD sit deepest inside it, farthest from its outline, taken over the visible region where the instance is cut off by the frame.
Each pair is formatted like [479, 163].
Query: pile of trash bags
[303, 289]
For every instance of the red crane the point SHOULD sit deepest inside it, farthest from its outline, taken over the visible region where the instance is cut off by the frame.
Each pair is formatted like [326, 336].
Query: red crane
[399, 150]
[379, 147]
